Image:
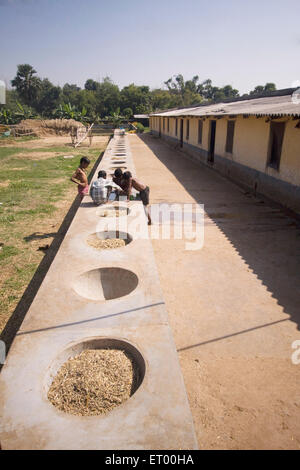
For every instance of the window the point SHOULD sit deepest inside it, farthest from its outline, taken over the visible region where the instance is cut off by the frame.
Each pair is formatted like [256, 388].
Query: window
[168, 121]
[176, 126]
[230, 135]
[187, 129]
[163, 123]
[275, 144]
[200, 130]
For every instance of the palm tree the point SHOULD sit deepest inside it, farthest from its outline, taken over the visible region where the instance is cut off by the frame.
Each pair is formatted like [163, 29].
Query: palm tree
[26, 83]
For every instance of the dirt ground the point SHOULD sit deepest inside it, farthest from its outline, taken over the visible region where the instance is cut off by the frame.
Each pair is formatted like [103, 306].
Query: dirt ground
[53, 141]
[233, 305]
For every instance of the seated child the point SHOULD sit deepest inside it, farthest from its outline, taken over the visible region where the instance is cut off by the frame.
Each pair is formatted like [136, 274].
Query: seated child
[101, 189]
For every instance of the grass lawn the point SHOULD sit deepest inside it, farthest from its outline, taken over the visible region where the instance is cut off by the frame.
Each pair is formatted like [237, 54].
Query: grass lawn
[35, 194]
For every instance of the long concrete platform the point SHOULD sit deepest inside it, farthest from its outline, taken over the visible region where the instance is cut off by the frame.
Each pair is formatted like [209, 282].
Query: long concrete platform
[92, 299]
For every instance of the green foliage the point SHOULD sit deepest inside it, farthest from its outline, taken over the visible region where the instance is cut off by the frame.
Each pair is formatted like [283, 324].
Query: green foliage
[27, 83]
[47, 98]
[107, 97]
[137, 98]
[91, 85]
[115, 118]
[139, 126]
[6, 116]
[128, 113]
[260, 90]
[68, 111]
[186, 92]
[13, 116]
[103, 100]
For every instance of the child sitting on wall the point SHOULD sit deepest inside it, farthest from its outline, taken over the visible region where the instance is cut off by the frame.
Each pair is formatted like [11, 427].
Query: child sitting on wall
[102, 188]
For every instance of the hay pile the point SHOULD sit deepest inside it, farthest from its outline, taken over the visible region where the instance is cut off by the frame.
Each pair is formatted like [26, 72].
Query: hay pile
[48, 127]
[107, 244]
[112, 213]
[94, 382]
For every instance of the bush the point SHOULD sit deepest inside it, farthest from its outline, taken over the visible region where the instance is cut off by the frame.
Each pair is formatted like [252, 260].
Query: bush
[139, 126]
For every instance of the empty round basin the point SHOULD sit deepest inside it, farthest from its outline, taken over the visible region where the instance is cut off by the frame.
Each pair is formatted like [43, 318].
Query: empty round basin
[105, 283]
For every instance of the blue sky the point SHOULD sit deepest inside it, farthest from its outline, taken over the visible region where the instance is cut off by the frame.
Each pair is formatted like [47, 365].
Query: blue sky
[238, 42]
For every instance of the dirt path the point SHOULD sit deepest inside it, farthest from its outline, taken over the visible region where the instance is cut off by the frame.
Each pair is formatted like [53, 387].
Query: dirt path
[233, 305]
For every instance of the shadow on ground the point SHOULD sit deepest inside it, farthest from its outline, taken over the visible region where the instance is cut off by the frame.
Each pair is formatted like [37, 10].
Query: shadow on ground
[266, 235]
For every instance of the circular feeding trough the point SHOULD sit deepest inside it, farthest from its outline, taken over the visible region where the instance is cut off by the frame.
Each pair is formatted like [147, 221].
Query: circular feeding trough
[95, 376]
[113, 211]
[105, 283]
[109, 240]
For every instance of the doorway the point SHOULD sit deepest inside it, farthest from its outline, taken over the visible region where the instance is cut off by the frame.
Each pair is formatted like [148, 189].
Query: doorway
[212, 141]
[181, 132]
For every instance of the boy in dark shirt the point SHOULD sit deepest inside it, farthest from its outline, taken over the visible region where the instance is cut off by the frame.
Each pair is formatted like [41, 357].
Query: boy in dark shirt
[128, 182]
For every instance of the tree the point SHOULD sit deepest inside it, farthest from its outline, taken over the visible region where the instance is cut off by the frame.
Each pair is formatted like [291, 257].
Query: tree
[48, 97]
[214, 93]
[230, 92]
[270, 87]
[107, 97]
[260, 90]
[136, 97]
[87, 99]
[127, 113]
[115, 117]
[163, 99]
[187, 92]
[91, 85]
[26, 83]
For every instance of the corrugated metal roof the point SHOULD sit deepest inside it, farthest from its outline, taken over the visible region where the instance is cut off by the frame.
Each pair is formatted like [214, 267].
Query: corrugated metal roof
[266, 106]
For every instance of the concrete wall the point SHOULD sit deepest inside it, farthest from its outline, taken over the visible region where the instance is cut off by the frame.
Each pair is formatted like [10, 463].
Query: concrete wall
[248, 162]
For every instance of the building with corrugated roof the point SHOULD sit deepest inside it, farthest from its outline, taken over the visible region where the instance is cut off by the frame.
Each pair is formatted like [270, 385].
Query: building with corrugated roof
[255, 142]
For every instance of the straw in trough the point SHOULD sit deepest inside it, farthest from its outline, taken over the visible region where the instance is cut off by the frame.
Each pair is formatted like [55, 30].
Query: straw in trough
[94, 382]
[107, 244]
